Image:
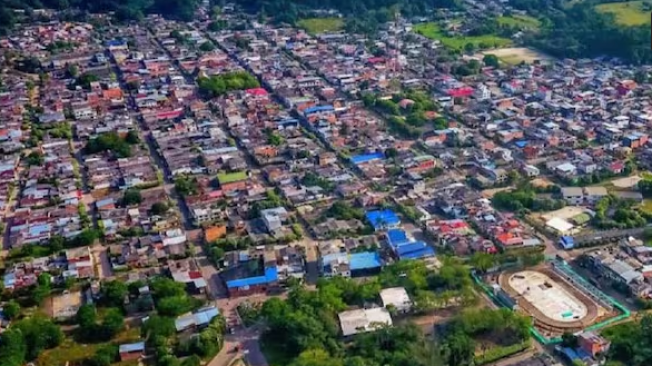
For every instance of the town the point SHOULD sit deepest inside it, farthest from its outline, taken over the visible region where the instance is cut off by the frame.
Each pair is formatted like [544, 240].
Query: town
[231, 190]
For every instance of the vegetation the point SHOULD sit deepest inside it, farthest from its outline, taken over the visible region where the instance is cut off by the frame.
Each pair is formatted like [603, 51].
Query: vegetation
[27, 338]
[519, 21]
[320, 25]
[459, 43]
[186, 186]
[630, 342]
[502, 327]
[111, 141]
[171, 298]
[525, 198]
[221, 84]
[613, 212]
[303, 331]
[629, 13]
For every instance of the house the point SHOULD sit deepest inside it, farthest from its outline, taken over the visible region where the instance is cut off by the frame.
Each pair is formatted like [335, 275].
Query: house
[382, 219]
[593, 343]
[131, 351]
[273, 218]
[593, 194]
[363, 320]
[396, 297]
[250, 276]
[573, 195]
[350, 265]
[199, 319]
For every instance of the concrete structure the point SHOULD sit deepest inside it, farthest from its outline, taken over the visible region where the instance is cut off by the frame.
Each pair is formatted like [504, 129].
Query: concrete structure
[363, 320]
[547, 296]
[396, 297]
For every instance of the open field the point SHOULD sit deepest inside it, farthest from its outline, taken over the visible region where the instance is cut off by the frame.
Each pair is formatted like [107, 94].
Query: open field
[565, 213]
[631, 13]
[646, 206]
[74, 352]
[320, 25]
[520, 21]
[433, 31]
[516, 55]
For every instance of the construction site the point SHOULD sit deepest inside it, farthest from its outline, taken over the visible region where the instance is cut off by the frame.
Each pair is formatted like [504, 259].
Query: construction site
[558, 299]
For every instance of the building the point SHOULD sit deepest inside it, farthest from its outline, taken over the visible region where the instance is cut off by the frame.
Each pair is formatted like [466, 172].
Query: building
[593, 343]
[131, 351]
[244, 280]
[573, 195]
[363, 320]
[397, 297]
[406, 248]
[274, 218]
[198, 319]
[383, 219]
[351, 265]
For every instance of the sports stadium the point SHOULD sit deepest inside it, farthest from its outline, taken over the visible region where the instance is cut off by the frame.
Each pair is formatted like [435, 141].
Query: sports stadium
[557, 299]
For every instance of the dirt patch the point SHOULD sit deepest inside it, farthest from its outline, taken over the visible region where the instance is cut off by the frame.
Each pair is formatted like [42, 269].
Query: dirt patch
[542, 182]
[65, 305]
[565, 213]
[628, 182]
[489, 193]
[516, 55]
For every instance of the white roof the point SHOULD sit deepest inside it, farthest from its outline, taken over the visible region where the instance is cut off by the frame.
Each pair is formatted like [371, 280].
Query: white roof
[559, 224]
[396, 296]
[363, 320]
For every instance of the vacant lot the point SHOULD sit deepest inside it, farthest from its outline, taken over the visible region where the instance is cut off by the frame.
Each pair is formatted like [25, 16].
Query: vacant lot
[631, 13]
[516, 55]
[320, 25]
[520, 21]
[433, 31]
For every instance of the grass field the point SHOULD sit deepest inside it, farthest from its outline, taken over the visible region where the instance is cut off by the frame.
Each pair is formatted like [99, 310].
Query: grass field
[521, 21]
[631, 13]
[74, 352]
[433, 31]
[320, 25]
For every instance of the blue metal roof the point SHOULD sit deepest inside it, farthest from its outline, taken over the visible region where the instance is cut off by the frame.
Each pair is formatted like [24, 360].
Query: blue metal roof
[567, 242]
[132, 347]
[382, 218]
[521, 144]
[415, 250]
[271, 275]
[320, 108]
[397, 237]
[359, 159]
[364, 260]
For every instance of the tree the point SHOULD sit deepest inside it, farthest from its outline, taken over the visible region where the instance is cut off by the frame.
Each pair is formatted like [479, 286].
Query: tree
[112, 323]
[11, 309]
[13, 349]
[131, 197]
[469, 47]
[159, 208]
[157, 326]
[35, 159]
[569, 340]
[491, 60]
[113, 293]
[207, 46]
[39, 333]
[86, 316]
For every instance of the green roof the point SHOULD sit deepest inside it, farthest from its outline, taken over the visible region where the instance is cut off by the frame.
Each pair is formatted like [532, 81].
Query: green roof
[225, 178]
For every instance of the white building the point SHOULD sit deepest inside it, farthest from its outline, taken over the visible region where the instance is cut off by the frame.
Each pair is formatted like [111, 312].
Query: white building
[396, 297]
[363, 320]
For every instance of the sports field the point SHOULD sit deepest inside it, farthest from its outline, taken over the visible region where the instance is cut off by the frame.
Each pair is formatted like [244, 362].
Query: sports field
[630, 13]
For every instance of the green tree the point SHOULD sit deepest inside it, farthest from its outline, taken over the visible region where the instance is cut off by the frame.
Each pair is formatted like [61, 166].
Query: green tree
[11, 309]
[113, 293]
[131, 197]
[491, 60]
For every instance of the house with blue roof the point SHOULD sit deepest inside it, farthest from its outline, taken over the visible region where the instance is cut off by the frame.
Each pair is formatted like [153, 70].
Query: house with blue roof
[321, 109]
[383, 219]
[249, 276]
[405, 247]
[350, 264]
[365, 158]
[131, 351]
